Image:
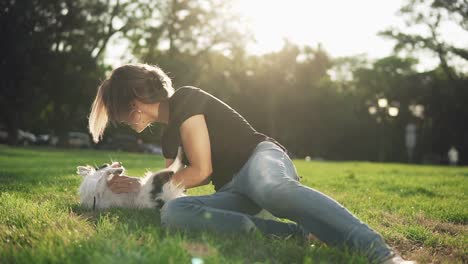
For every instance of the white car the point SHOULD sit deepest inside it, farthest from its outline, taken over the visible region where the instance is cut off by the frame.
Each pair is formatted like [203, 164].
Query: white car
[78, 140]
[152, 148]
[26, 138]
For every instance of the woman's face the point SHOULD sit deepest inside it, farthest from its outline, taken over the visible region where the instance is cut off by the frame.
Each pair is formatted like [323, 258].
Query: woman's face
[135, 120]
[140, 116]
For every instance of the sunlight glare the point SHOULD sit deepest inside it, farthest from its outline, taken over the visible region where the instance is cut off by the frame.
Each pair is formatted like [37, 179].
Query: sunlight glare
[343, 27]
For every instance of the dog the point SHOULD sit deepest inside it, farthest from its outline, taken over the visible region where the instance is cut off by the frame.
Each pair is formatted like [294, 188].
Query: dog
[156, 188]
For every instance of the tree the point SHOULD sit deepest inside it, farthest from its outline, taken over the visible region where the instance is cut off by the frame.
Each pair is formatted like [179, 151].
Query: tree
[431, 15]
[51, 59]
[178, 35]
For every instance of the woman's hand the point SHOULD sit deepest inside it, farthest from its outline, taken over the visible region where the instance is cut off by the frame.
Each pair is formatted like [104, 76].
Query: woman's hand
[124, 184]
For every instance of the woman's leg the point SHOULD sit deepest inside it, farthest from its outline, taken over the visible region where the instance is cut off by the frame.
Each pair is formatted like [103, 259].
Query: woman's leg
[223, 212]
[269, 178]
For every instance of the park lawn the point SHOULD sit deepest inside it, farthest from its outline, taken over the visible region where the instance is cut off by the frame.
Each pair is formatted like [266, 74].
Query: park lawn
[420, 210]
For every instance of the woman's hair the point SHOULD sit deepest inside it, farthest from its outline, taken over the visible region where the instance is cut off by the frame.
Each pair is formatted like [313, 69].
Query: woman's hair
[145, 83]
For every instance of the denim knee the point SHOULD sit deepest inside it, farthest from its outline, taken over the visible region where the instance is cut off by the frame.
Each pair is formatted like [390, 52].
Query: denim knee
[186, 214]
[172, 213]
[278, 198]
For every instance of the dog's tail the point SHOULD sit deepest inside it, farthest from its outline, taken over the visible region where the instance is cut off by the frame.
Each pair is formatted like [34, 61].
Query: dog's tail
[177, 164]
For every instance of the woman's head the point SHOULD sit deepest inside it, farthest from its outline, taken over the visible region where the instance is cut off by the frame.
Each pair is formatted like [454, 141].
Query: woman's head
[127, 87]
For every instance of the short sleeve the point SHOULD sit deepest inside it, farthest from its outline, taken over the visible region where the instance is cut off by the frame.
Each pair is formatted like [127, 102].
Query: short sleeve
[186, 102]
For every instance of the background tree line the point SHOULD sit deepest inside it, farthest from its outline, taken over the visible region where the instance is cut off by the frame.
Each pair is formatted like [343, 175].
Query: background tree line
[52, 62]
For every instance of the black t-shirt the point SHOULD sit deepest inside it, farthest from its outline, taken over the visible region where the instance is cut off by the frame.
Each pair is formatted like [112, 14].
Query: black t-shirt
[232, 138]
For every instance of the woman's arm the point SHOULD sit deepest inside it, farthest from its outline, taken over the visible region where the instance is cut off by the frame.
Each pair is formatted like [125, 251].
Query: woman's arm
[169, 162]
[196, 142]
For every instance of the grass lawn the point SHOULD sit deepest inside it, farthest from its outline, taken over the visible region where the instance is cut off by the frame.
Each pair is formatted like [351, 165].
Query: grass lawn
[420, 210]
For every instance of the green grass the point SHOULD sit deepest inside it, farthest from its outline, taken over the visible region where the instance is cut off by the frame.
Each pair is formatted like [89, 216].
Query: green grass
[422, 211]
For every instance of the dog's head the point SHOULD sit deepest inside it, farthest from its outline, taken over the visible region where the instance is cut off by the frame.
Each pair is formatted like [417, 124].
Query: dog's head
[160, 179]
[95, 181]
[163, 189]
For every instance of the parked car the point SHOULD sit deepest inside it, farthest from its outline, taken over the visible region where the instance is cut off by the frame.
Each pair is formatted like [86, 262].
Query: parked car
[78, 140]
[3, 135]
[26, 138]
[152, 148]
[123, 142]
[47, 139]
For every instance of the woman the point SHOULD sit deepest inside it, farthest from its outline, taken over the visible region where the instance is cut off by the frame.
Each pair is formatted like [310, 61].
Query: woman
[249, 170]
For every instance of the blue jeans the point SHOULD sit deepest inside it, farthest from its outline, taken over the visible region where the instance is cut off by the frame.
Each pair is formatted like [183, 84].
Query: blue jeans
[269, 180]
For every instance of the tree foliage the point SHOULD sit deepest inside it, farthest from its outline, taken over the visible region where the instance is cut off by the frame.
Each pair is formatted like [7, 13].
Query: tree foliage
[429, 16]
[52, 62]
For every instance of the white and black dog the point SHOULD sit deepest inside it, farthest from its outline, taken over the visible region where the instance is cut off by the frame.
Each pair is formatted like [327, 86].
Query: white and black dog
[156, 188]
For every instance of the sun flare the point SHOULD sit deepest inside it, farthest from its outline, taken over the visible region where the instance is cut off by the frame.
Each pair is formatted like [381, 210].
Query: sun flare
[343, 27]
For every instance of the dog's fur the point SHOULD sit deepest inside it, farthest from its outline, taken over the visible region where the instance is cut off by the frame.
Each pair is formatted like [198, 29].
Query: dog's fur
[156, 188]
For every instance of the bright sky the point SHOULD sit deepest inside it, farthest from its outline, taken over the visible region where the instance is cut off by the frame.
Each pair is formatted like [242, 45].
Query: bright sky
[343, 27]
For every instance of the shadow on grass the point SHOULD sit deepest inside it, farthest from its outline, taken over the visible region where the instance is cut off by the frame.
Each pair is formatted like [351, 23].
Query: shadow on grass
[229, 248]
[411, 191]
[28, 182]
[134, 219]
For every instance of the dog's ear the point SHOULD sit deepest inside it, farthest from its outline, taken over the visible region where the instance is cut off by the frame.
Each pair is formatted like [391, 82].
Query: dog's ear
[83, 170]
